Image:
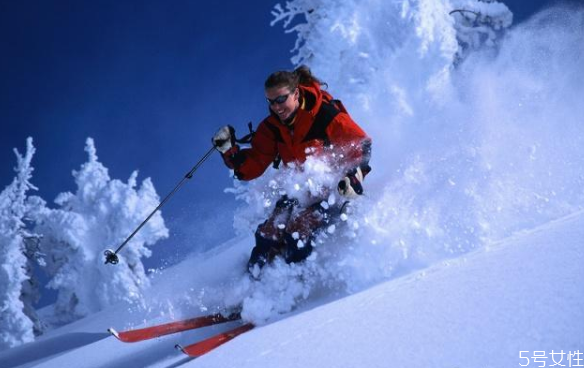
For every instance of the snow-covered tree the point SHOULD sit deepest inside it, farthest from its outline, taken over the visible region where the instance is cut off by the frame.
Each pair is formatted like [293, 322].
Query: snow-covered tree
[479, 24]
[100, 215]
[352, 47]
[18, 289]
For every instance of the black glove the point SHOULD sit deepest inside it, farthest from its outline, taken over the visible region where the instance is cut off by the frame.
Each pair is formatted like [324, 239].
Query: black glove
[224, 139]
[351, 186]
[286, 203]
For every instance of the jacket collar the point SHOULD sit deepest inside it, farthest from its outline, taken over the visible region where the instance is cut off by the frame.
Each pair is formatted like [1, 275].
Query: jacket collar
[311, 96]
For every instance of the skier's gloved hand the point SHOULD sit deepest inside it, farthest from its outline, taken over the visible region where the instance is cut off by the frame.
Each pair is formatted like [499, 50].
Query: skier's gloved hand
[224, 139]
[351, 186]
[286, 203]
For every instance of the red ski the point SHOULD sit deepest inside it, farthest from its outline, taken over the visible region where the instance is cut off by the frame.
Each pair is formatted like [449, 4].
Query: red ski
[172, 327]
[202, 347]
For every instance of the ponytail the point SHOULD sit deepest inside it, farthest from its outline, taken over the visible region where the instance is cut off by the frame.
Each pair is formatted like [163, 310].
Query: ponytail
[300, 76]
[305, 76]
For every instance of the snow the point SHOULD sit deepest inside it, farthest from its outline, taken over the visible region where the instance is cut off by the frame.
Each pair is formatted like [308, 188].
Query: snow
[16, 321]
[465, 250]
[66, 244]
[521, 294]
[101, 213]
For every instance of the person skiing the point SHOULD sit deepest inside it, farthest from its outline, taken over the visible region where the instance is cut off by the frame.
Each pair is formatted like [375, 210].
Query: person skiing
[304, 120]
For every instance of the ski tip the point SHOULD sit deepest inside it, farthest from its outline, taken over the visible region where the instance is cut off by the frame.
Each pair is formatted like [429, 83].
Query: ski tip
[114, 333]
[179, 347]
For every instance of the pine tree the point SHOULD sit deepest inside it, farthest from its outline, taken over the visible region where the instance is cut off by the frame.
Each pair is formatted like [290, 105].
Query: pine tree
[101, 213]
[479, 25]
[18, 291]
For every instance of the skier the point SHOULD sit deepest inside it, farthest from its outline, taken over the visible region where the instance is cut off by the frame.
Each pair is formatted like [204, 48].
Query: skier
[304, 120]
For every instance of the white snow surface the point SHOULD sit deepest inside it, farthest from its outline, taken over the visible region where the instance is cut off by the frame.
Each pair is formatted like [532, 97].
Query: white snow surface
[480, 310]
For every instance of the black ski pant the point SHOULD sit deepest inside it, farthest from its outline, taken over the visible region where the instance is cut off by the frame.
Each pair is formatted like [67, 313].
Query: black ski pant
[289, 232]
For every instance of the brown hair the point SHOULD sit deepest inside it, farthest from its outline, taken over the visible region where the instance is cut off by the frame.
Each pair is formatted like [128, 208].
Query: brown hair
[300, 76]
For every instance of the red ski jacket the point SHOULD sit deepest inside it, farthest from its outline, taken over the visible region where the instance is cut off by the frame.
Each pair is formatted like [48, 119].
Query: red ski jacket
[321, 127]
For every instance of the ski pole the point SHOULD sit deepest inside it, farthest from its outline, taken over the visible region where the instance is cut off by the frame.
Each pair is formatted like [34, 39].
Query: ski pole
[112, 256]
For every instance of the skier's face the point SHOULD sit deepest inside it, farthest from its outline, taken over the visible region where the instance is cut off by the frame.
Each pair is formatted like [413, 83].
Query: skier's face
[282, 101]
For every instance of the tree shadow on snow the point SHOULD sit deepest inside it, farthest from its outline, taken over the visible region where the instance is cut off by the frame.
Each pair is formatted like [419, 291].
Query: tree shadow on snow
[45, 348]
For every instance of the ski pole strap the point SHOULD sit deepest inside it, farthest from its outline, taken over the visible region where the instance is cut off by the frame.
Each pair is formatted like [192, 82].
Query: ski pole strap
[247, 138]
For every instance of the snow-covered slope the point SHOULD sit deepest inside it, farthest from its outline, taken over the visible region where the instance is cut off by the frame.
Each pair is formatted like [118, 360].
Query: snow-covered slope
[522, 294]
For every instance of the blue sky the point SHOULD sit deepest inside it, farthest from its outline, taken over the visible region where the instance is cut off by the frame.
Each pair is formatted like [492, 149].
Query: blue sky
[150, 81]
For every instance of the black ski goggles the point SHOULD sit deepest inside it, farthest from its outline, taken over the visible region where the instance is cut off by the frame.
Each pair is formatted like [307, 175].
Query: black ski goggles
[278, 100]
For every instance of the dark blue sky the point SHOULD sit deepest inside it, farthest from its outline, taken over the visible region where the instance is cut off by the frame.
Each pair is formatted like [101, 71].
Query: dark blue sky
[150, 81]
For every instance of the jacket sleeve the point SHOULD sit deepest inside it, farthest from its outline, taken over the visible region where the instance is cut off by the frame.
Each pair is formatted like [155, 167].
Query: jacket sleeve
[351, 145]
[250, 163]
